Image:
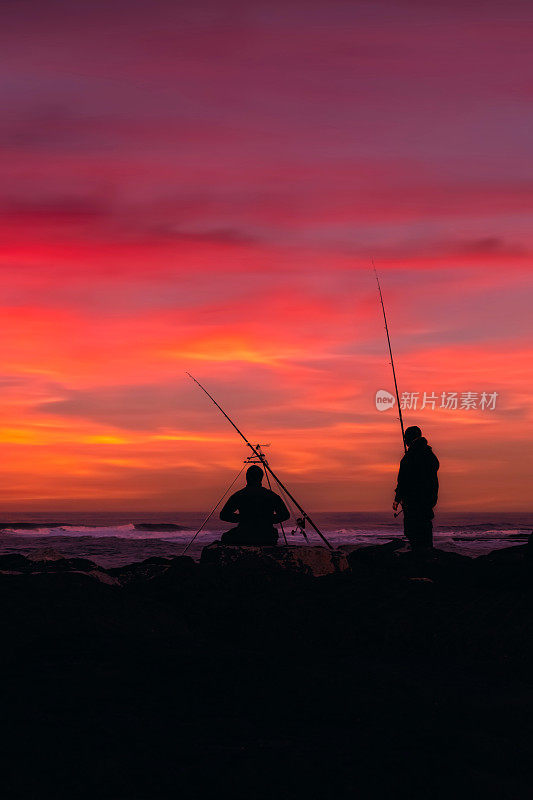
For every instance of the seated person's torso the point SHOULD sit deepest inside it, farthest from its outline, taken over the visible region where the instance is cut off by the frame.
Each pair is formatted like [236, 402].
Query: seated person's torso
[256, 507]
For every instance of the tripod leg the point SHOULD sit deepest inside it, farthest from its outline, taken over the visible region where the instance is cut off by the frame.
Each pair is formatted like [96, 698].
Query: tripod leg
[288, 501]
[206, 520]
[270, 487]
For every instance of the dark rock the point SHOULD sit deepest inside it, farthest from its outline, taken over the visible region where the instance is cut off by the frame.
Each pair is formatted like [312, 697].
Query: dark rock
[63, 563]
[377, 553]
[155, 567]
[76, 609]
[419, 665]
[305, 560]
[137, 573]
[99, 575]
[15, 562]
[182, 565]
[46, 554]
[46, 560]
[157, 560]
[507, 555]
[396, 559]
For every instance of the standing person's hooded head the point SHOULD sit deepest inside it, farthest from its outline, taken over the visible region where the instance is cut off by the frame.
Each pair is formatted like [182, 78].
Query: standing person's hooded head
[411, 435]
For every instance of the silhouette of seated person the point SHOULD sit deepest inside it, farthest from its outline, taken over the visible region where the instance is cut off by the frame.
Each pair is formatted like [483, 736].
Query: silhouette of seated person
[256, 510]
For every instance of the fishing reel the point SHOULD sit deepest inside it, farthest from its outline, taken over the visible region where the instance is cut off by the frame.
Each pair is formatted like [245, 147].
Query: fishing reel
[300, 528]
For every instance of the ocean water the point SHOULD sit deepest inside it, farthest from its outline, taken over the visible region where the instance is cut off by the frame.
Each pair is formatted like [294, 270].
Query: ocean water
[114, 539]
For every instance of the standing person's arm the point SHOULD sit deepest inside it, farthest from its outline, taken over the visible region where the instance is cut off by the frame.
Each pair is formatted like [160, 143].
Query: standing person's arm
[229, 512]
[399, 486]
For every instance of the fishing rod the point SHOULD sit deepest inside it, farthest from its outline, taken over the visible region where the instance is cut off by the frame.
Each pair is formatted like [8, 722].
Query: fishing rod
[391, 357]
[260, 456]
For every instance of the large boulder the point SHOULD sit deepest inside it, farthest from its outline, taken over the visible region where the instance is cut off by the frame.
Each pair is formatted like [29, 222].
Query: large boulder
[515, 554]
[375, 553]
[15, 562]
[45, 560]
[173, 569]
[305, 560]
[396, 560]
[45, 554]
[49, 561]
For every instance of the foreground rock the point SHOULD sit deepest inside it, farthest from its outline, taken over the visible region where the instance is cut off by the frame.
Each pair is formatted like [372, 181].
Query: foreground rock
[49, 561]
[522, 553]
[401, 673]
[315, 561]
[155, 567]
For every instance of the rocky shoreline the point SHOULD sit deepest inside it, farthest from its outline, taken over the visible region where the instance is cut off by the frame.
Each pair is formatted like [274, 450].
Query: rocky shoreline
[366, 672]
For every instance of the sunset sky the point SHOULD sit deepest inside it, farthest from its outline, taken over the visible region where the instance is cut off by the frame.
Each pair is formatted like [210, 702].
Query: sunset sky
[202, 186]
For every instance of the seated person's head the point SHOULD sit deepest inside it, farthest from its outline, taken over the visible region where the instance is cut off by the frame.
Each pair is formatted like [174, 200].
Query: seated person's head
[254, 475]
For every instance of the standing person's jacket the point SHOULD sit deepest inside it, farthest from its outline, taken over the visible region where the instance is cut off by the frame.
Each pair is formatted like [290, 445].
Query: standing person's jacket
[418, 484]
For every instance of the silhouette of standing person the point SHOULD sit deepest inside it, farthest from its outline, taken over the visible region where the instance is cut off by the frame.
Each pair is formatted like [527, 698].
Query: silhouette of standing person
[256, 510]
[417, 489]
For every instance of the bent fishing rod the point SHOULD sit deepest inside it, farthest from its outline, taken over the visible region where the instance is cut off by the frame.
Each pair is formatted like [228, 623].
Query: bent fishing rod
[391, 357]
[260, 456]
